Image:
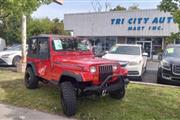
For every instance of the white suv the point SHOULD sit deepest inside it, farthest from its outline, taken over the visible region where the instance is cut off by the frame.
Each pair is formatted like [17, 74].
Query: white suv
[11, 56]
[130, 57]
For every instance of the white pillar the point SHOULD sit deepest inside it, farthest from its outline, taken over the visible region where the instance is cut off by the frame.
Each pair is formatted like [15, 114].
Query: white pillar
[23, 35]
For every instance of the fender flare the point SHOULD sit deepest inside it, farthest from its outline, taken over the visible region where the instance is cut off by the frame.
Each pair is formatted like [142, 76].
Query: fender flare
[77, 77]
[32, 66]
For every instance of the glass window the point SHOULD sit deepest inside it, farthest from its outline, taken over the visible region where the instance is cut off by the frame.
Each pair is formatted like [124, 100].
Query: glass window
[34, 46]
[43, 46]
[127, 50]
[156, 46]
[131, 40]
[172, 52]
[177, 41]
[70, 45]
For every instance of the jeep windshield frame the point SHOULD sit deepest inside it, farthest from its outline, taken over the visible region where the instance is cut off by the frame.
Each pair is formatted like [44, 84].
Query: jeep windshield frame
[70, 44]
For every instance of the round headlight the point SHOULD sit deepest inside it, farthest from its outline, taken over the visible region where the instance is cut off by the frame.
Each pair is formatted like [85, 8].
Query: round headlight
[115, 67]
[92, 69]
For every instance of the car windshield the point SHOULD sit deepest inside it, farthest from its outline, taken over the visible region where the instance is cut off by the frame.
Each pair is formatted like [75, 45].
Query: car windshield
[14, 47]
[173, 52]
[71, 45]
[126, 50]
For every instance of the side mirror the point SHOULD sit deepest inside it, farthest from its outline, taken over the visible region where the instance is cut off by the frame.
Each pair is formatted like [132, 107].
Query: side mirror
[160, 56]
[145, 54]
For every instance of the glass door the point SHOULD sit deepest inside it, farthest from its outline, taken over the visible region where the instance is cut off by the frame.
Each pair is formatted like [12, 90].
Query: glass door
[147, 46]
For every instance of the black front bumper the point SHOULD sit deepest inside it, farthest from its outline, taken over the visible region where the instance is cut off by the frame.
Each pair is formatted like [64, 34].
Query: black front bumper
[107, 87]
[168, 75]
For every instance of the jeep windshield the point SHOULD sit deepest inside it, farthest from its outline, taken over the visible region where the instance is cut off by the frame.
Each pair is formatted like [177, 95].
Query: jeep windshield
[126, 50]
[70, 45]
[172, 52]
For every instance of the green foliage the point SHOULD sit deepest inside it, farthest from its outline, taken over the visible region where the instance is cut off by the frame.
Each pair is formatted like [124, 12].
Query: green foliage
[174, 36]
[118, 8]
[45, 26]
[17, 7]
[10, 29]
[10, 15]
[134, 7]
[172, 6]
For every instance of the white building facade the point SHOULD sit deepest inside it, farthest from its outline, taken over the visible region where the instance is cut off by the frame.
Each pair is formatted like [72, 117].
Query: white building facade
[104, 29]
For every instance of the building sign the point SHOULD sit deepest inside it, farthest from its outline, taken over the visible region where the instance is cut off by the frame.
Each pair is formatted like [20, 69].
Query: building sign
[141, 24]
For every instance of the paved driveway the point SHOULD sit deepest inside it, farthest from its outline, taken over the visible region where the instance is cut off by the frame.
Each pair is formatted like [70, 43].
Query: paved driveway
[15, 113]
[151, 74]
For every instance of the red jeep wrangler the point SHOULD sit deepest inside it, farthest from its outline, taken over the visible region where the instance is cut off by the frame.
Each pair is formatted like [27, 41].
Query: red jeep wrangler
[69, 63]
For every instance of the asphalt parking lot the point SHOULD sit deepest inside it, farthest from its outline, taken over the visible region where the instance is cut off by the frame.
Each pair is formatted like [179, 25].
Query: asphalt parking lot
[149, 76]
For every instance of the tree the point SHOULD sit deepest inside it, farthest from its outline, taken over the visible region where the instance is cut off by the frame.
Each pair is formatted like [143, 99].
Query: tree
[172, 6]
[17, 7]
[118, 8]
[45, 26]
[10, 15]
[134, 7]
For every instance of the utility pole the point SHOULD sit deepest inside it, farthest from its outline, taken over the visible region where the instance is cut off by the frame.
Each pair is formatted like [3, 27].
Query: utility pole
[22, 65]
[23, 39]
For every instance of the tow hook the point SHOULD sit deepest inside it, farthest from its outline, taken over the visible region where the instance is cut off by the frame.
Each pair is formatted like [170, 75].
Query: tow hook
[104, 92]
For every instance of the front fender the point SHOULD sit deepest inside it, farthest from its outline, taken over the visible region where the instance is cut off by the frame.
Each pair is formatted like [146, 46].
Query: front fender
[30, 64]
[78, 77]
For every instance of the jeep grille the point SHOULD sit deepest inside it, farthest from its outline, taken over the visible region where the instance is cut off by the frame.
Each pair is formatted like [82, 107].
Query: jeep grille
[105, 71]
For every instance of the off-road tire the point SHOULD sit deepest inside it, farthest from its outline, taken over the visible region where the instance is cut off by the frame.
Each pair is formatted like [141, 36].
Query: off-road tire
[120, 93]
[31, 80]
[68, 98]
[16, 60]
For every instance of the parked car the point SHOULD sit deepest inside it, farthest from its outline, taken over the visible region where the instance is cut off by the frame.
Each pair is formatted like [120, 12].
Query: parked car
[169, 66]
[11, 56]
[70, 64]
[130, 57]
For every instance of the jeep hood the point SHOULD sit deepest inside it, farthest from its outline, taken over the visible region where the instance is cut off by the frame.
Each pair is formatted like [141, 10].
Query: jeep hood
[87, 61]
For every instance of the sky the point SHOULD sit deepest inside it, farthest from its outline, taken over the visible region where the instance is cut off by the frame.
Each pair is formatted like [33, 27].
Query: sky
[54, 10]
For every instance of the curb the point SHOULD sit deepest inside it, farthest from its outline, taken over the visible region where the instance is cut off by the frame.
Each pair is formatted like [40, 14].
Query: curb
[154, 84]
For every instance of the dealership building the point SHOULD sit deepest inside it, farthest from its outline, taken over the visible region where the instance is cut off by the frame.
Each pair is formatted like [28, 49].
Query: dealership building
[104, 29]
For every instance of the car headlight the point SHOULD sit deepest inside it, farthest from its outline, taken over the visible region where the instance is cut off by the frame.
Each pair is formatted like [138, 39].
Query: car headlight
[115, 67]
[92, 69]
[165, 65]
[134, 63]
[6, 55]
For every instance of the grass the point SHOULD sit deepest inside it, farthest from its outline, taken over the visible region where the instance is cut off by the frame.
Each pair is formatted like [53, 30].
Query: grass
[141, 102]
